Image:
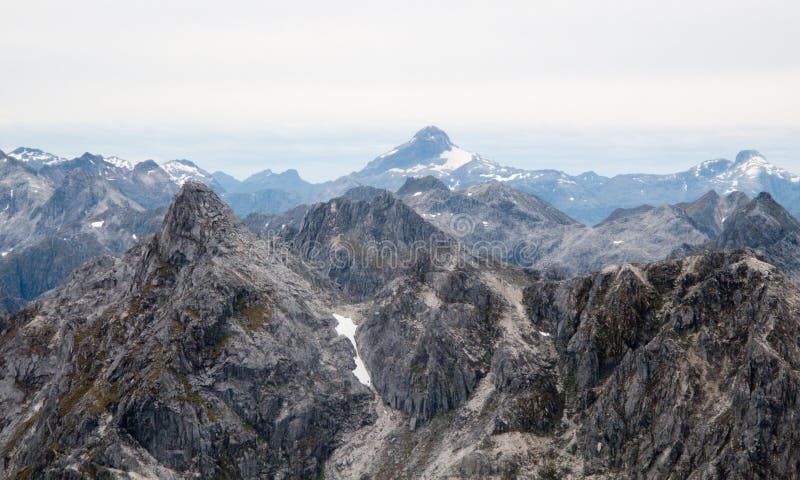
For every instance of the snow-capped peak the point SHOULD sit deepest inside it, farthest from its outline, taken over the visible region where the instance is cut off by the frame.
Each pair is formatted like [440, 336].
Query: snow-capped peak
[748, 172]
[754, 165]
[120, 162]
[181, 171]
[35, 156]
[429, 152]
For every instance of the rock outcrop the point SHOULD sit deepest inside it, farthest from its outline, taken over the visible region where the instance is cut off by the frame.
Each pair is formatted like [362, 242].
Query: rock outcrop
[684, 368]
[198, 353]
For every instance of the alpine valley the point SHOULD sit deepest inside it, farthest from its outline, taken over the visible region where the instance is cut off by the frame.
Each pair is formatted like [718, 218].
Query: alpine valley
[434, 315]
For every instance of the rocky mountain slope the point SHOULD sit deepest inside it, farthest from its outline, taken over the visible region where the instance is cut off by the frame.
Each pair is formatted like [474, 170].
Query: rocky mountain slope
[495, 220]
[642, 234]
[207, 352]
[197, 354]
[684, 368]
[56, 218]
[760, 224]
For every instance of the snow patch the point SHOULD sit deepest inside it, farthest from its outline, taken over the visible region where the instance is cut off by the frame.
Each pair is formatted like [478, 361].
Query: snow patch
[347, 328]
[417, 194]
[35, 155]
[513, 176]
[98, 224]
[181, 173]
[454, 158]
[390, 152]
[119, 162]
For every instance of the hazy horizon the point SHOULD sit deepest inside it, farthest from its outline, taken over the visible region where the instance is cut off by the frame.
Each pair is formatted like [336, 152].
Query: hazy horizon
[614, 87]
[323, 157]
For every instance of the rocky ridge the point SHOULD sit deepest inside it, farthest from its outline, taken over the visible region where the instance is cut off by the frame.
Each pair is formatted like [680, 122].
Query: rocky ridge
[198, 352]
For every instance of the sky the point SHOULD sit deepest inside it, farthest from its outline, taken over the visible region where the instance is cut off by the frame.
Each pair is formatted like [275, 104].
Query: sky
[610, 86]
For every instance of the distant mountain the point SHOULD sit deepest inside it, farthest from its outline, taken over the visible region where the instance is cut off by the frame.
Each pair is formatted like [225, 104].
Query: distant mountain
[55, 218]
[493, 219]
[266, 191]
[182, 171]
[266, 201]
[496, 220]
[760, 224]
[289, 180]
[429, 152]
[228, 182]
[587, 197]
[35, 158]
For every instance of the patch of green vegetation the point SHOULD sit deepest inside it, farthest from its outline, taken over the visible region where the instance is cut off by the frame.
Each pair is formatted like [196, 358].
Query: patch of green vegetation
[105, 398]
[25, 473]
[257, 315]
[72, 398]
[219, 345]
[570, 390]
[548, 471]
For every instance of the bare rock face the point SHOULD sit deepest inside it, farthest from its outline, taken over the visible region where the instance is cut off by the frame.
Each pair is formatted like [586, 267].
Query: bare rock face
[427, 356]
[495, 220]
[205, 352]
[197, 354]
[685, 367]
[760, 224]
[363, 245]
[432, 319]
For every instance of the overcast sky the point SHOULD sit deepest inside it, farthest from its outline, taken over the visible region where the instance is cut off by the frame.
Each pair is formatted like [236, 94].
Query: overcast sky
[324, 86]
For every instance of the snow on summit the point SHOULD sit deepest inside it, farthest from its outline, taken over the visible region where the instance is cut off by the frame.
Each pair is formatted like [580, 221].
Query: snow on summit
[35, 156]
[119, 162]
[181, 171]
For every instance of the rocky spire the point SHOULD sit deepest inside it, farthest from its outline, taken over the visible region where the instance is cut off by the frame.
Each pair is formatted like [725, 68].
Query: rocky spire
[197, 221]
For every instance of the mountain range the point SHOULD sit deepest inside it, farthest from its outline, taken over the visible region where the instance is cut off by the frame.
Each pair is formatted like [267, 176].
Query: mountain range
[586, 197]
[434, 315]
[368, 342]
[56, 213]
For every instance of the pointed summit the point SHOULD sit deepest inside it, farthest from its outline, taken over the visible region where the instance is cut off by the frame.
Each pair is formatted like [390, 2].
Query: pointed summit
[429, 151]
[760, 222]
[433, 134]
[746, 155]
[197, 221]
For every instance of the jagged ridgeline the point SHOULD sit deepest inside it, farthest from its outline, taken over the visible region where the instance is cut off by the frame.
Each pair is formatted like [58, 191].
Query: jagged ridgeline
[196, 355]
[207, 352]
